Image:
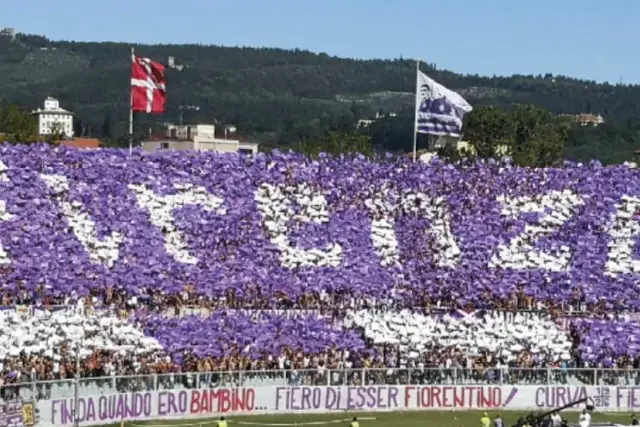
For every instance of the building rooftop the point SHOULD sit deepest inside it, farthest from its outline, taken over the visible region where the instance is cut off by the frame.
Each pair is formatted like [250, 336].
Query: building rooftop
[81, 143]
[51, 111]
[182, 136]
[51, 106]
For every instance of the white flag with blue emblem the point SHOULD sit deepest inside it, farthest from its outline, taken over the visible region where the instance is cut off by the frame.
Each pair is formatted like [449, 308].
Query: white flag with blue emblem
[439, 111]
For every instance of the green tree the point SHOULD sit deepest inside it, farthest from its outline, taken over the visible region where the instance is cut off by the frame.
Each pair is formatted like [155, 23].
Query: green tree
[107, 128]
[78, 127]
[538, 137]
[337, 143]
[611, 142]
[18, 125]
[533, 136]
[452, 154]
[490, 130]
[355, 110]
[393, 134]
[57, 133]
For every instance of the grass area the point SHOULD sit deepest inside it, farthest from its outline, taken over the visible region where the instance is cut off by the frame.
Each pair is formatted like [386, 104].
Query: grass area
[381, 419]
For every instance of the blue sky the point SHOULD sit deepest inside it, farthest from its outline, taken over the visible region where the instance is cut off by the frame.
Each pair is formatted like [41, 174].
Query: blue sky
[580, 38]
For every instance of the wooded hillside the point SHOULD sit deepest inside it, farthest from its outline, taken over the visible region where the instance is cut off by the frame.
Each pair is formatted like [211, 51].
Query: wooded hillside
[281, 97]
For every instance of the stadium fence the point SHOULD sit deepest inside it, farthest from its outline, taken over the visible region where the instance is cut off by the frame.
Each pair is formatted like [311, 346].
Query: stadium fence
[65, 388]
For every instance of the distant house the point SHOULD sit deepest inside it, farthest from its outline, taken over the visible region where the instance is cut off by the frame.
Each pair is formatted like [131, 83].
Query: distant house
[585, 119]
[53, 118]
[171, 63]
[8, 32]
[363, 123]
[590, 119]
[199, 138]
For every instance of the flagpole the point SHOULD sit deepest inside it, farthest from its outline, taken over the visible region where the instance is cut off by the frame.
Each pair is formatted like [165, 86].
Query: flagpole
[133, 53]
[415, 114]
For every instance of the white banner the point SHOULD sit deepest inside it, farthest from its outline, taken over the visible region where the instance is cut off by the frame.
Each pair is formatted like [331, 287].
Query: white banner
[178, 404]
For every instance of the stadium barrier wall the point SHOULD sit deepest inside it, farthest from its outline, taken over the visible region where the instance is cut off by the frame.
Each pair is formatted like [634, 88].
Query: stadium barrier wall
[89, 386]
[207, 403]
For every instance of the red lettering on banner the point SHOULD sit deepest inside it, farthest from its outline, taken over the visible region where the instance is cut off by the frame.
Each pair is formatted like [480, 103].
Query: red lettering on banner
[452, 397]
[223, 400]
[407, 395]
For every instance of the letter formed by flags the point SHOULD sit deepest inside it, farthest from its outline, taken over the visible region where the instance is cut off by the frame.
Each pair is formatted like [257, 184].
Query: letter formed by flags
[148, 86]
[439, 111]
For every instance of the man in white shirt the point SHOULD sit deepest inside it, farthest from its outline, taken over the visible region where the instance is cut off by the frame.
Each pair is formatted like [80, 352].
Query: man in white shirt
[556, 420]
[585, 419]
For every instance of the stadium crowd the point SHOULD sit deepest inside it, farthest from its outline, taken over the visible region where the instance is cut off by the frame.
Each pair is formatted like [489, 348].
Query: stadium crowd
[176, 263]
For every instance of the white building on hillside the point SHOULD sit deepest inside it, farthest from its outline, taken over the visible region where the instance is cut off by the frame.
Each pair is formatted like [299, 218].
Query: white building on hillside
[200, 138]
[53, 118]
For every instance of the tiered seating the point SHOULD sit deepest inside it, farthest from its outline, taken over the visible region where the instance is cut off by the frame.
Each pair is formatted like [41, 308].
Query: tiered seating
[254, 335]
[473, 333]
[283, 225]
[67, 332]
[605, 341]
[280, 231]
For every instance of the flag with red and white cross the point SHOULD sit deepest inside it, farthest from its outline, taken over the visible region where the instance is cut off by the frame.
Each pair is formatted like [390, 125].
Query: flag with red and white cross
[148, 86]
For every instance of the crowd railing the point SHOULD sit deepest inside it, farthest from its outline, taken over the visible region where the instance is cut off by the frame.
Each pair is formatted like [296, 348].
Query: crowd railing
[65, 388]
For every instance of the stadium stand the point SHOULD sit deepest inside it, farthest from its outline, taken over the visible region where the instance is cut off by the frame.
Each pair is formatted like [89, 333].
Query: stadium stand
[477, 273]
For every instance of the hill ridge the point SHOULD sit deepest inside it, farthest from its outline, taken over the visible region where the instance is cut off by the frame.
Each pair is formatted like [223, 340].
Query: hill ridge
[273, 94]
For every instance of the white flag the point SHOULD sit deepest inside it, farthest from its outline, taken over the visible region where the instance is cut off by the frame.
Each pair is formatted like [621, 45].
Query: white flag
[439, 111]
